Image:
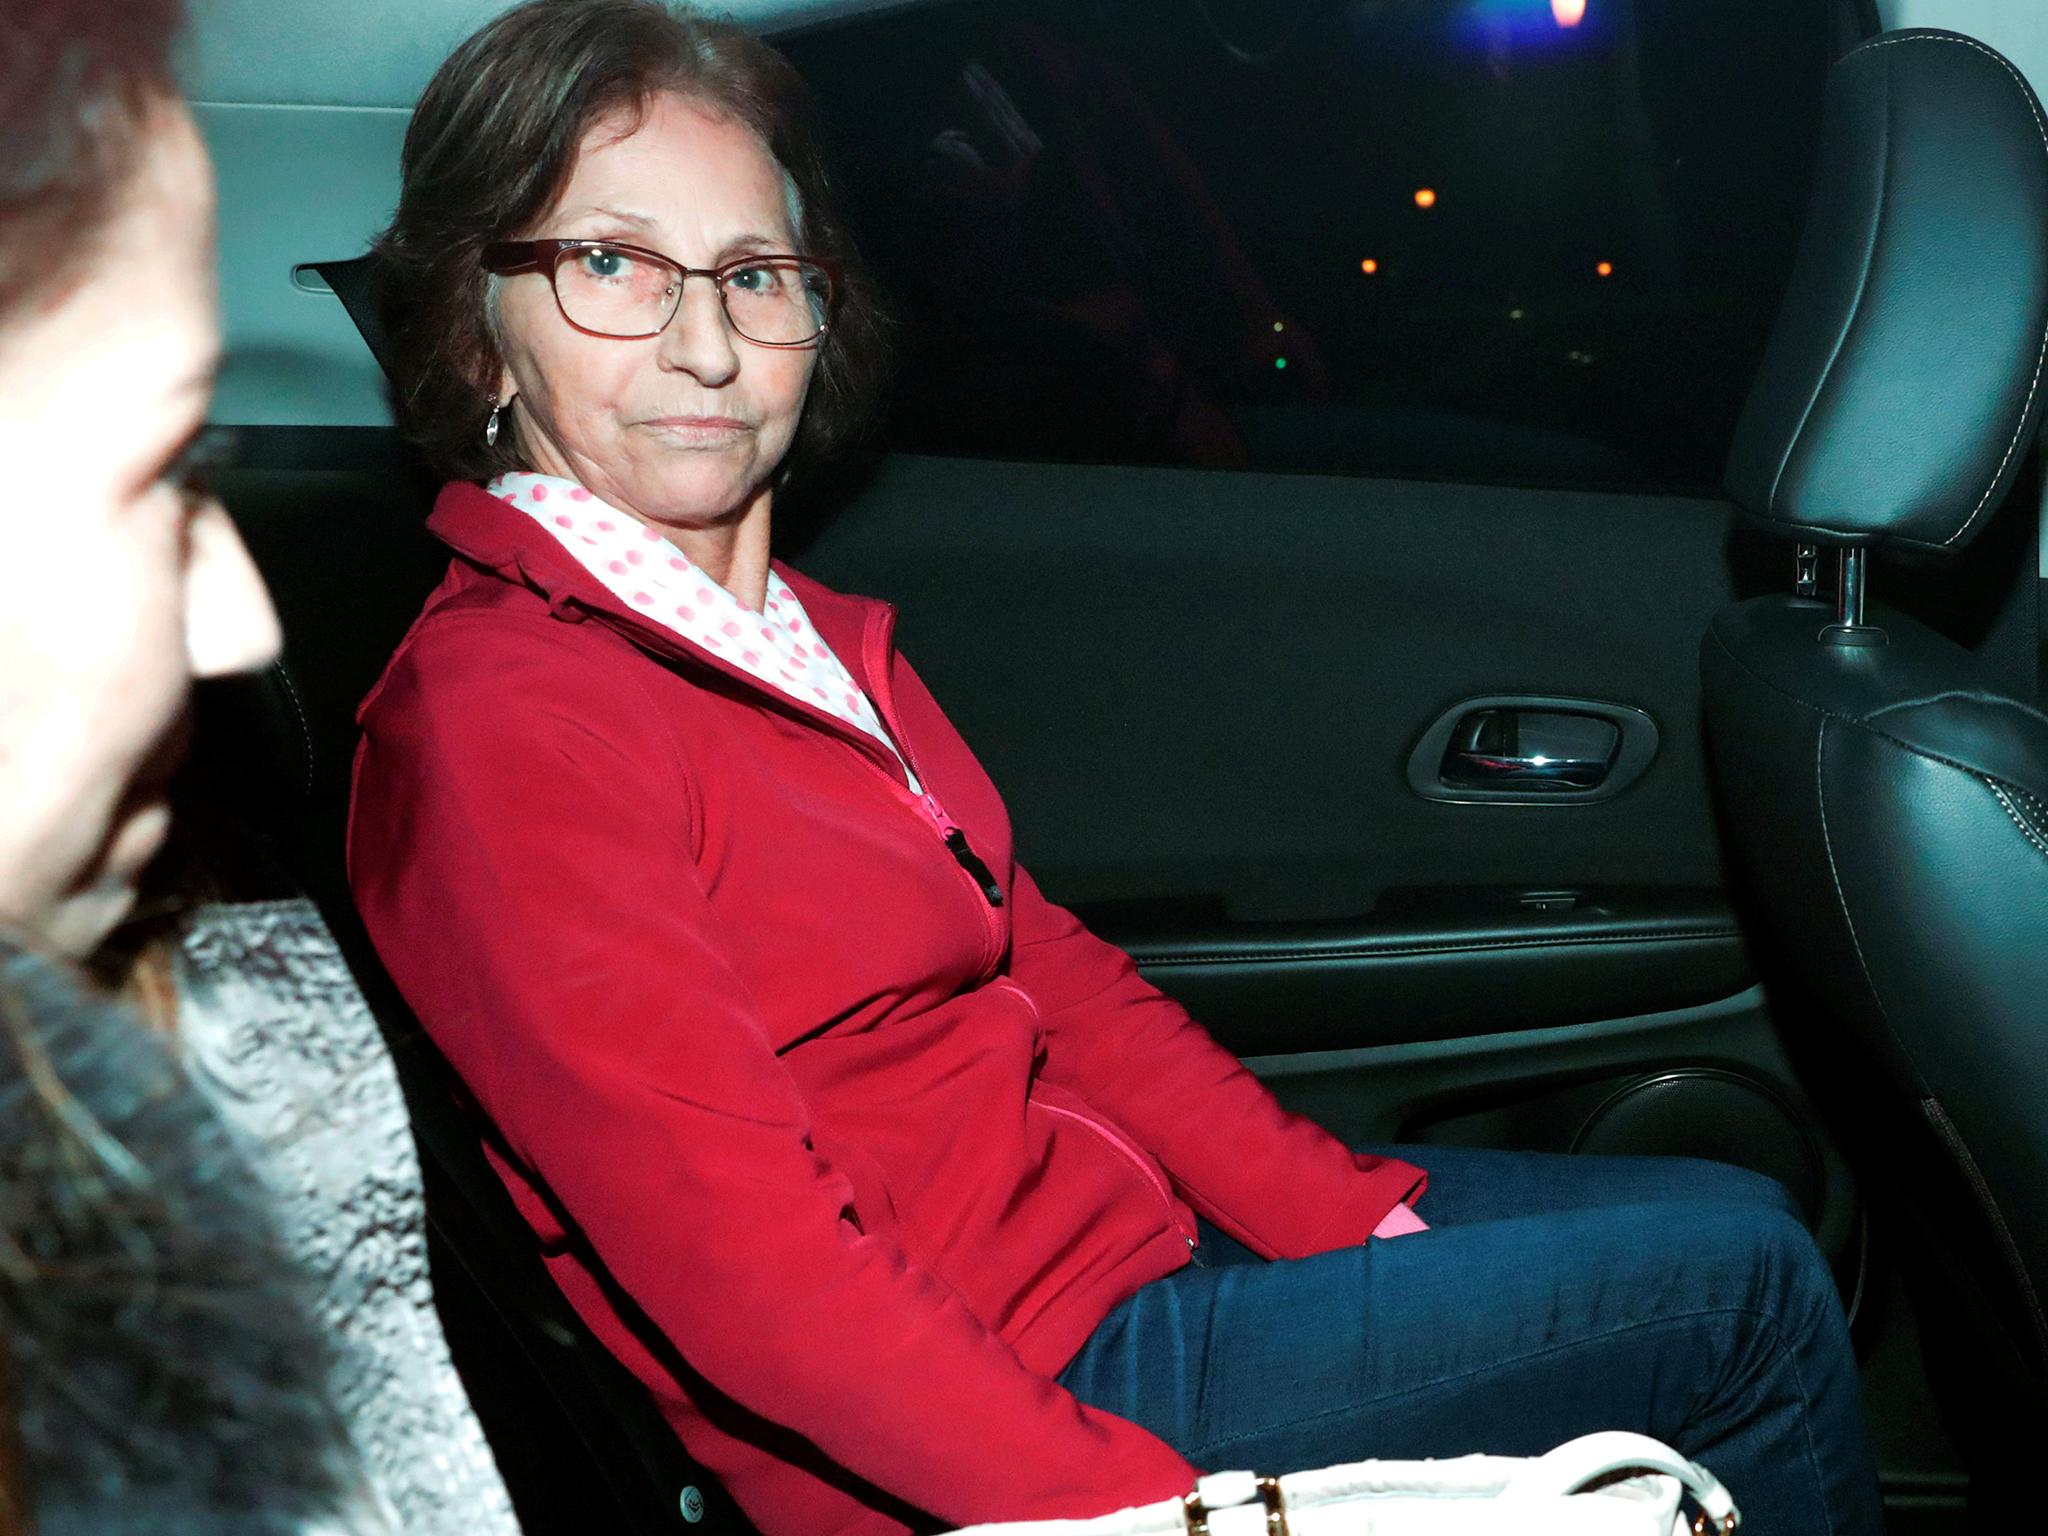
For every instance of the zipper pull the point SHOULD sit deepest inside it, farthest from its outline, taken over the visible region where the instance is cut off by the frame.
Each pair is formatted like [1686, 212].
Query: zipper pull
[956, 844]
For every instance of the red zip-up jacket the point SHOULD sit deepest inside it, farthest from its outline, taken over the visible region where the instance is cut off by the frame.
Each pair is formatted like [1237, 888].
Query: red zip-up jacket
[867, 1128]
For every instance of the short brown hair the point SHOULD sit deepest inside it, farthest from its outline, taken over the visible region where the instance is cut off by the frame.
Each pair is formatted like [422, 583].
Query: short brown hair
[494, 140]
[81, 83]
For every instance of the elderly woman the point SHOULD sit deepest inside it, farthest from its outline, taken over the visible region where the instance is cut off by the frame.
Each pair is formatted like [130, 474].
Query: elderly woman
[902, 1193]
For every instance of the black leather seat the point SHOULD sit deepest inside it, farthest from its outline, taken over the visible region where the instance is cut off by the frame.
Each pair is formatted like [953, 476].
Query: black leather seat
[1888, 798]
[336, 521]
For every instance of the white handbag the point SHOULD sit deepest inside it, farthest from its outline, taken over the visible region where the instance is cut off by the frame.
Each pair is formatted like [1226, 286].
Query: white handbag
[1607, 1484]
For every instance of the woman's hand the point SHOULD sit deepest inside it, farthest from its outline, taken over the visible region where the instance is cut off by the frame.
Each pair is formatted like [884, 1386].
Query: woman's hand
[1399, 1222]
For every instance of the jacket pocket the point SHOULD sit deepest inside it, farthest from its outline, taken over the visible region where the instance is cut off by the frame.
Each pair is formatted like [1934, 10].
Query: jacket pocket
[1119, 1141]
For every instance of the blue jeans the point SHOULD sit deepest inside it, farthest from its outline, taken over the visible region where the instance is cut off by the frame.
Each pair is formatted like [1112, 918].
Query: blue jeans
[1553, 1296]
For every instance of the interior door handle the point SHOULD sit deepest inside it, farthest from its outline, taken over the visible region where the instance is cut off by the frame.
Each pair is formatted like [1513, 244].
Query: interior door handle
[1532, 750]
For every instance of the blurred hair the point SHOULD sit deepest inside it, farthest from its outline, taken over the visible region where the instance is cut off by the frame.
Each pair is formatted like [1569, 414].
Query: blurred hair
[164, 1366]
[493, 142]
[80, 84]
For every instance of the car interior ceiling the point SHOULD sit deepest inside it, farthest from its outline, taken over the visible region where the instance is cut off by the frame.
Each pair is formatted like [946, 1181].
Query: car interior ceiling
[1395, 966]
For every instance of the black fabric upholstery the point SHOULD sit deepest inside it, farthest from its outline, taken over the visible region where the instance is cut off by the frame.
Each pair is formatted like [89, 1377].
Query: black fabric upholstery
[1902, 387]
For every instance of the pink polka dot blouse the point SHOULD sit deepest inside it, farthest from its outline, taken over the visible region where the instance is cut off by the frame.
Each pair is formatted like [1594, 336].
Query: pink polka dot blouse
[652, 577]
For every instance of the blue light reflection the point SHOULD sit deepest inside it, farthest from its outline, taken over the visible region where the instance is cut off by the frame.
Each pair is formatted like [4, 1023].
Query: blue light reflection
[1528, 23]
[1496, 30]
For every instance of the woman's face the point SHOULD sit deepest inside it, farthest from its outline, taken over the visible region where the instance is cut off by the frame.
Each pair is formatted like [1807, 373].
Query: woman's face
[681, 430]
[122, 585]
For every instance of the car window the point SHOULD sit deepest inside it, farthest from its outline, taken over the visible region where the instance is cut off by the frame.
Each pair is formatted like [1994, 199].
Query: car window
[1523, 241]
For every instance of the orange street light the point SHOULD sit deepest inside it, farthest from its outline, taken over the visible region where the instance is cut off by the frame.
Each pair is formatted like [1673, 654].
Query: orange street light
[1368, 266]
[1425, 197]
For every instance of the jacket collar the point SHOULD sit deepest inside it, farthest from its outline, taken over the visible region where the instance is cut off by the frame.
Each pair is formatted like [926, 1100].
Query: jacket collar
[487, 533]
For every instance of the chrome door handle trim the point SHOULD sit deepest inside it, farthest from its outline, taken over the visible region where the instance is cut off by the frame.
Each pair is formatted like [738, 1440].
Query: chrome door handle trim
[1562, 775]
[1636, 745]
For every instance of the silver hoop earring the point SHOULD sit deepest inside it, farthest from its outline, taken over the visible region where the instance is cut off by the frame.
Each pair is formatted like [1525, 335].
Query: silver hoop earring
[491, 426]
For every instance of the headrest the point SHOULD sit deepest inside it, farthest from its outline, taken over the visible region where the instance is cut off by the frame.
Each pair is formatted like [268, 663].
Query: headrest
[336, 521]
[1902, 386]
[355, 283]
[335, 518]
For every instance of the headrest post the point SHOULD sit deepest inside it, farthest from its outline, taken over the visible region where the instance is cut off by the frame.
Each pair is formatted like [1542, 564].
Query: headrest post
[1850, 582]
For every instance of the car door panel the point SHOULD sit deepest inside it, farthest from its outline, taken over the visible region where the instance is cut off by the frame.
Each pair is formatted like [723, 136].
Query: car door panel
[1442, 964]
[1201, 685]
[1712, 1081]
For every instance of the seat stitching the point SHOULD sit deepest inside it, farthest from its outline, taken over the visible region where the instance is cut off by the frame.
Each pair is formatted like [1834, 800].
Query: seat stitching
[1862, 725]
[1952, 1141]
[2041, 357]
[1968, 695]
[2018, 820]
[2031, 805]
[1841, 898]
[305, 728]
[1382, 950]
[1826, 715]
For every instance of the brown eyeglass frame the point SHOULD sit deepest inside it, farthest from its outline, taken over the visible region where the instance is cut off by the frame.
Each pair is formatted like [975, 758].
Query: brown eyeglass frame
[509, 258]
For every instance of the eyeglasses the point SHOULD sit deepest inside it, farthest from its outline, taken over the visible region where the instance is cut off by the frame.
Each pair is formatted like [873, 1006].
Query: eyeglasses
[626, 292]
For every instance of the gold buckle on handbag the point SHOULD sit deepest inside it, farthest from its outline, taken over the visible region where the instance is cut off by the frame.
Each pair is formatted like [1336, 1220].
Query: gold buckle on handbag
[1725, 1526]
[1196, 1513]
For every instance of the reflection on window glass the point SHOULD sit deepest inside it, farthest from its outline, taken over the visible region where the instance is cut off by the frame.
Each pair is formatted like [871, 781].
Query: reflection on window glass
[1515, 240]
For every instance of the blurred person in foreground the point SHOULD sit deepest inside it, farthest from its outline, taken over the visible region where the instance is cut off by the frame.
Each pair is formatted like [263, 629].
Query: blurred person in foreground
[196, 1335]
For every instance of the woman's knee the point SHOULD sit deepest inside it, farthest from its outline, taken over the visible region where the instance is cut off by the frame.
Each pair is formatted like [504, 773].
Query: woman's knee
[1773, 1258]
[1715, 1183]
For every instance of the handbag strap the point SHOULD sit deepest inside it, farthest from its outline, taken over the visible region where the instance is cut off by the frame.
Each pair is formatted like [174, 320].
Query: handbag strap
[1590, 1458]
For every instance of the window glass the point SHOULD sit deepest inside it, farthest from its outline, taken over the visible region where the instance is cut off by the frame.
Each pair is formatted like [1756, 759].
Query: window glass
[1527, 241]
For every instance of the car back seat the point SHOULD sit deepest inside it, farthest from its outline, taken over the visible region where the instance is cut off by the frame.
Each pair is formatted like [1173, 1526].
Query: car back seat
[335, 518]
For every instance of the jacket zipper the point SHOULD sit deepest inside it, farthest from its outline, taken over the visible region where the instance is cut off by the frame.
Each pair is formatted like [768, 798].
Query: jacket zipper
[962, 851]
[1132, 1155]
[875, 655]
[875, 658]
